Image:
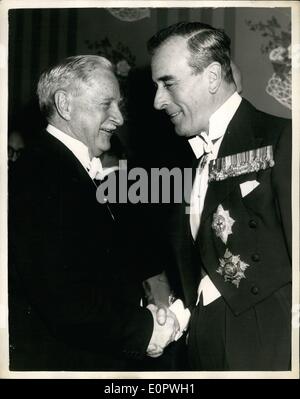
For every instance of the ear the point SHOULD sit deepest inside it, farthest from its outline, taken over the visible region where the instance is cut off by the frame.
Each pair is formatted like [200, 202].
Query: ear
[237, 77]
[62, 104]
[214, 71]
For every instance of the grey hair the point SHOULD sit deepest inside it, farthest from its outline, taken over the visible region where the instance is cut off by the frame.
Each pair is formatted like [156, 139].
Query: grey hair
[70, 74]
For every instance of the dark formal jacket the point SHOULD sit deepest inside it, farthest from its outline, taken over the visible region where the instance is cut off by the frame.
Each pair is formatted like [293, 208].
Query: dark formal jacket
[73, 291]
[258, 309]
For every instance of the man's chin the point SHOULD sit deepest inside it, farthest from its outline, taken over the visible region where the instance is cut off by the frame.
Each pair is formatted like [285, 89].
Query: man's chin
[183, 133]
[103, 149]
[103, 146]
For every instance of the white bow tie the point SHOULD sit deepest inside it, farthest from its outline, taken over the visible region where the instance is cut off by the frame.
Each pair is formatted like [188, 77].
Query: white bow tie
[95, 169]
[207, 143]
[201, 144]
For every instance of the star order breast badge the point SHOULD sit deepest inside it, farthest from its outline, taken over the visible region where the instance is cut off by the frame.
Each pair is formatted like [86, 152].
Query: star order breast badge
[222, 223]
[232, 268]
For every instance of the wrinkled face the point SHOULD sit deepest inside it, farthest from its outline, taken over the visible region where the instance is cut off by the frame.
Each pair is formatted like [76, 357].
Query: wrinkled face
[181, 93]
[95, 112]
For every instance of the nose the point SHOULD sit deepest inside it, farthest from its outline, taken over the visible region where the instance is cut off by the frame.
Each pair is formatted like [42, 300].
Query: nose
[117, 116]
[160, 99]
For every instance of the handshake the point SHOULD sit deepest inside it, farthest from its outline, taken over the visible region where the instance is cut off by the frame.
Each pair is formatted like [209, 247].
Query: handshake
[170, 317]
[166, 329]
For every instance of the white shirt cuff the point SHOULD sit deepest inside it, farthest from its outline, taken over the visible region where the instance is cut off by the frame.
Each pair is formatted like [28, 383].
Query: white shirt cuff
[183, 316]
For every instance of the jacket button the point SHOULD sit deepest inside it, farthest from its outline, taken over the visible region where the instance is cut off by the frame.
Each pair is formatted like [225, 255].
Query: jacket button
[254, 290]
[252, 224]
[255, 257]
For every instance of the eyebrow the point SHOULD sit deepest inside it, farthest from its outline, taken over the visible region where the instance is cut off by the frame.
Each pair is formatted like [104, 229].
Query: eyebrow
[111, 99]
[165, 78]
[107, 99]
[121, 101]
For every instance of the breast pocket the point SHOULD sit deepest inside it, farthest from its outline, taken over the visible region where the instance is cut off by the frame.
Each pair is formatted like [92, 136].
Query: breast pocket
[248, 187]
[256, 192]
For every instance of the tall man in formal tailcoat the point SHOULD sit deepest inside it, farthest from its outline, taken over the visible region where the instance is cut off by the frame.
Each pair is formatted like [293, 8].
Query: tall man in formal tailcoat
[231, 244]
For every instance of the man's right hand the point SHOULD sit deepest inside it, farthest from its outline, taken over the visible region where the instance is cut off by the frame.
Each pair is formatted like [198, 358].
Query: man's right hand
[165, 329]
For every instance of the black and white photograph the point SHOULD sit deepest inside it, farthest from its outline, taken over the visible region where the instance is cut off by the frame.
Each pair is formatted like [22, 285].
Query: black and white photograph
[149, 189]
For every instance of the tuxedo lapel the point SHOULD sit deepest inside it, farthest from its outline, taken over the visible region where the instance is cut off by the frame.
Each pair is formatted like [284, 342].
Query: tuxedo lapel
[240, 136]
[186, 256]
[71, 172]
[72, 167]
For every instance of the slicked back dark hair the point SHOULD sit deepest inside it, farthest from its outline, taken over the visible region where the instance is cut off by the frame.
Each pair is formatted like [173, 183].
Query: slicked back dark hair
[205, 44]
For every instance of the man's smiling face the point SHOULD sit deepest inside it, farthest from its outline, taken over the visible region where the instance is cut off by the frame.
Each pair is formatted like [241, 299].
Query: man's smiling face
[95, 112]
[181, 93]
